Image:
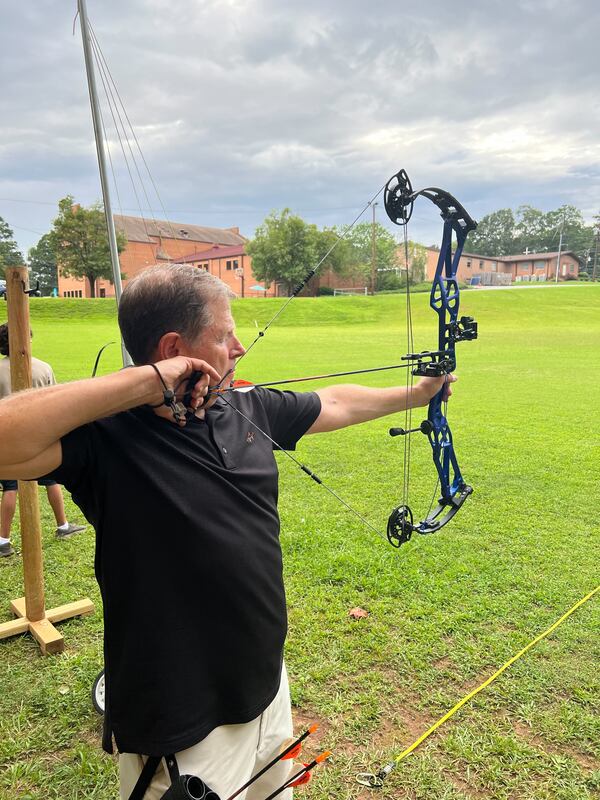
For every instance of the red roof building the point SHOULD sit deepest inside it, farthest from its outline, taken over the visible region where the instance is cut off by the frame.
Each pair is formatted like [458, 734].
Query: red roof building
[219, 251]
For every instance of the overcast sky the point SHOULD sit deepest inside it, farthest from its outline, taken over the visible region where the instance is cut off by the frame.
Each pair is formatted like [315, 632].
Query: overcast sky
[245, 106]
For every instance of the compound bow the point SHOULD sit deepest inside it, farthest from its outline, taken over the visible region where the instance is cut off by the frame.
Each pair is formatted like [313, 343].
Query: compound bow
[399, 201]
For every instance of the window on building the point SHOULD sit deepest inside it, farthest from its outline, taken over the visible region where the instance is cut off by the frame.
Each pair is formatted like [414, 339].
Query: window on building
[468, 265]
[102, 292]
[494, 266]
[571, 267]
[205, 266]
[481, 265]
[79, 293]
[539, 264]
[228, 265]
[235, 263]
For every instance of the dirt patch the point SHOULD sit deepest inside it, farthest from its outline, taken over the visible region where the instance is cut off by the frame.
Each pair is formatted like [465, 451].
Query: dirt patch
[406, 725]
[317, 741]
[467, 789]
[524, 732]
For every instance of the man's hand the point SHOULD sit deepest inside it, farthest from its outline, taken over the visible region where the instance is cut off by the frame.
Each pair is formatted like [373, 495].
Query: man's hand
[427, 388]
[176, 372]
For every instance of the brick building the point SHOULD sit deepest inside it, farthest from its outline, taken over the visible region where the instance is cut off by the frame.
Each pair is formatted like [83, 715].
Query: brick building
[527, 267]
[152, 242]
[233, 266]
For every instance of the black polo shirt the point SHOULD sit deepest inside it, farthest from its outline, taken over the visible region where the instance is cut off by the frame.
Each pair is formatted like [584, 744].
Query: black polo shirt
[188, 562]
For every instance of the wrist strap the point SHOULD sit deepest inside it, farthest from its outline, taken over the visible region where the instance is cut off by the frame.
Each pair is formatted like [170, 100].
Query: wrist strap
[169, 398]
[168, 394]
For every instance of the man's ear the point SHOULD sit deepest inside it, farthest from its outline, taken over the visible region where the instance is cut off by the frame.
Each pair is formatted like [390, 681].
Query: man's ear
[169, 345]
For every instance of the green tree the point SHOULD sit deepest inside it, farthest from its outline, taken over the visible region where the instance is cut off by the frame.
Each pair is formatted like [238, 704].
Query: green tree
[417, 261]
[334, 252]
[79, 240]
[577, 236]
[494, 235]
[359, 255]
[42, 264]
[284, 249]
[595, 257]
[531, 230]
[10, 255]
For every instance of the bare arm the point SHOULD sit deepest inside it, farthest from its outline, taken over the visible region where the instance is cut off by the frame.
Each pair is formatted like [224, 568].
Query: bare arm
[350, 404]
[32, 423]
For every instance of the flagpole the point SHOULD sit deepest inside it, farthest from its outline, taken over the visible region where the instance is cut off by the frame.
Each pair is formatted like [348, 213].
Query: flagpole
[110, 224]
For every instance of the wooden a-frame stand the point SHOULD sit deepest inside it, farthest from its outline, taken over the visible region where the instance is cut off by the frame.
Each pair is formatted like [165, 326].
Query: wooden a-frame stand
[30, 610]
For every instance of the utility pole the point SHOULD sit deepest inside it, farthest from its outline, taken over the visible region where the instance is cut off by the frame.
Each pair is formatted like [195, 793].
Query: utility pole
[562, 226]
[373, 256]
[596, 252]
[96, 119]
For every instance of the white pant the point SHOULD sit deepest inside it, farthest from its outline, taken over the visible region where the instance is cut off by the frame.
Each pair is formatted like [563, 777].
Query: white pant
[228, 756]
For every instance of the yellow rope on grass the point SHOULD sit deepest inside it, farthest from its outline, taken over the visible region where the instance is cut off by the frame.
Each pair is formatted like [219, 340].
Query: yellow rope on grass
[377, 780]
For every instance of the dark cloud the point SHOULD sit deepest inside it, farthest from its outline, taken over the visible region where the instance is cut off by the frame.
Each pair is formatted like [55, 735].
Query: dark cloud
[242, 106]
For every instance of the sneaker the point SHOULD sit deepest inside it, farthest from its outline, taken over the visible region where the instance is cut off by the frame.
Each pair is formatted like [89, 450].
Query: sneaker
[65, 533]
[6, 550]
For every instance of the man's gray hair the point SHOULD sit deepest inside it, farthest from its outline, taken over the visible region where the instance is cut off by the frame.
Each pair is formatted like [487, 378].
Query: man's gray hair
[174, 297]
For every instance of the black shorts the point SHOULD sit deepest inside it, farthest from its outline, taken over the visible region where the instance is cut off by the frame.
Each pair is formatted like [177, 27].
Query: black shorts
[11, 486]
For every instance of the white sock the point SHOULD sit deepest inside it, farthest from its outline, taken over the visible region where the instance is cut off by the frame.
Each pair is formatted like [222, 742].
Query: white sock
[3, 540]
[62, 527]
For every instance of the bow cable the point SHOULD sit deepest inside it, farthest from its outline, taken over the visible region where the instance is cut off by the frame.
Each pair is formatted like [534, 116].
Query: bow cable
[308, 472]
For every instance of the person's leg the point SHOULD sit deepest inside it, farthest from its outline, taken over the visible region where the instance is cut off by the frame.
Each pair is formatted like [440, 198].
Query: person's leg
[57, 504]
[8, 505]
[7, 513]
[276, 731]
[223, 760]
[64, 529]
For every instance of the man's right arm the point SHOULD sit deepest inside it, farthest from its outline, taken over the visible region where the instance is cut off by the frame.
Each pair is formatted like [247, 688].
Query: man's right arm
[33, 422]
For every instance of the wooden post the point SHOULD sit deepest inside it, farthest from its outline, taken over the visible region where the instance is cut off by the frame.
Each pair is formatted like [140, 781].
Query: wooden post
[30, 610]
[19, 336]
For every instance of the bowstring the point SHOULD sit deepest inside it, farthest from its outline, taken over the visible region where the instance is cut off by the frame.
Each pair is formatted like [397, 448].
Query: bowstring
[409, 374]
[410, 378]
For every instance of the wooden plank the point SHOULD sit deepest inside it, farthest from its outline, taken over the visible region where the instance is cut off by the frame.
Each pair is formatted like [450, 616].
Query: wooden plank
[48, 637]
[68, 610]
[18, 607]
[13, 628]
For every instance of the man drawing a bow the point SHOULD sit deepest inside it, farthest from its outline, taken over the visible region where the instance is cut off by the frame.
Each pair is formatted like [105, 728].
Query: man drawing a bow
[185, 511]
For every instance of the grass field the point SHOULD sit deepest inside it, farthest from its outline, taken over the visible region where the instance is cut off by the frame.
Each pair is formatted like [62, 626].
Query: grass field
[445, 611]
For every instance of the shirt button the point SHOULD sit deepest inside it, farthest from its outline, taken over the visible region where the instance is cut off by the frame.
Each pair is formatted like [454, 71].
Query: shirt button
[225, 450]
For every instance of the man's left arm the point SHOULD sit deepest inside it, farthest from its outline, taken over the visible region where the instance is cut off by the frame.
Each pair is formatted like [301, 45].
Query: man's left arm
[349, 404]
